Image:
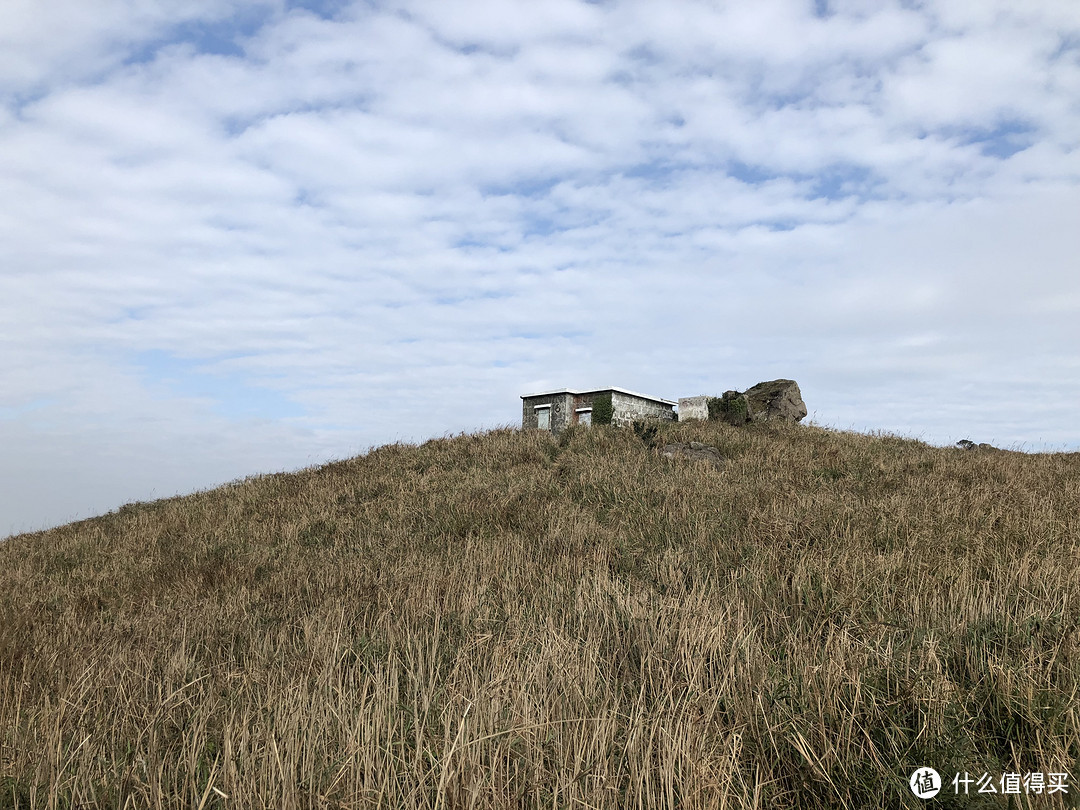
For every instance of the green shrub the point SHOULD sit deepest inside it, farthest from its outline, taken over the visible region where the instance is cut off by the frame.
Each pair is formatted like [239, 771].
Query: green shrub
[602, 409]
[730, 408]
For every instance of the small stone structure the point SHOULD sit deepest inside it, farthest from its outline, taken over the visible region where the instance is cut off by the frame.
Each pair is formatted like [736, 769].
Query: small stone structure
[558, 410]
[693, 408]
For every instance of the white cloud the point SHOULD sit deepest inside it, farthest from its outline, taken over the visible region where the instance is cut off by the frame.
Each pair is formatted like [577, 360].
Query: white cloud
[340, 231]
[50, 43]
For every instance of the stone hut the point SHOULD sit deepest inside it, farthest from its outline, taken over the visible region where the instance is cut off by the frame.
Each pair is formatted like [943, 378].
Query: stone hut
[557, 410]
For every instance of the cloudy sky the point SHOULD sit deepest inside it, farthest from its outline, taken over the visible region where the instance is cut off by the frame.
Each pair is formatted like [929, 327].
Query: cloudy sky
[244, 237]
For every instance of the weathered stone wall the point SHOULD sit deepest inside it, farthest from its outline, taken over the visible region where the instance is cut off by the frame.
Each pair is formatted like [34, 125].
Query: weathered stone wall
[629, 409]
[581, 401]
[562, 411]
[693, 408]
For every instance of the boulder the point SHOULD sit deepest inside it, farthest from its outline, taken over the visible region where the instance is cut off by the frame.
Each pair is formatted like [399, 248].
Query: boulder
[772, 401]
[775, 401]
[968, 444]
[694, 451]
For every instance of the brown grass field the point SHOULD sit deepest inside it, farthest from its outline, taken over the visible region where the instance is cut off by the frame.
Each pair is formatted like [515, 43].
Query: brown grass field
[509, 620]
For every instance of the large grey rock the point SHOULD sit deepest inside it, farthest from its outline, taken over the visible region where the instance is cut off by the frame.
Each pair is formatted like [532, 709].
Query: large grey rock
[775, 401]
[772, 401]
[694, 451]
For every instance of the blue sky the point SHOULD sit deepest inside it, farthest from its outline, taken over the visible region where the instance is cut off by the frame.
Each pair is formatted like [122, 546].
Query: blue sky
[243, 237]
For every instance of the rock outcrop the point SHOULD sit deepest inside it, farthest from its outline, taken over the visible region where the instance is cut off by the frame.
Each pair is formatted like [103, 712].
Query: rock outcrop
[695, 451]
[772, 401]
[776, 401]
[968, 444]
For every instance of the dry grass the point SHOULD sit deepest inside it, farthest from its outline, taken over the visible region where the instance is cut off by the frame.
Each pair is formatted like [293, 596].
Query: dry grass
[510, 620]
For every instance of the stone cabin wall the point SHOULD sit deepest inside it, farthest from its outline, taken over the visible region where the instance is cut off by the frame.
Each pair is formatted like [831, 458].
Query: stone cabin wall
[562, 411]
[582, 401]
[629, 409]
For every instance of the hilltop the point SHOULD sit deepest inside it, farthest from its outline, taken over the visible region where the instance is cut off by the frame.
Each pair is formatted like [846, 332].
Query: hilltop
[511, 619]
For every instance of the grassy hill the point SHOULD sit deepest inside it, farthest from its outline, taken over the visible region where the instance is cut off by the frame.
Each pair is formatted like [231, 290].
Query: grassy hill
[513, 620]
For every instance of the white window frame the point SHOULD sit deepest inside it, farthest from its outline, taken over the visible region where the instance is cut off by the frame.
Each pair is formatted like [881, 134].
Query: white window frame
[546, 409]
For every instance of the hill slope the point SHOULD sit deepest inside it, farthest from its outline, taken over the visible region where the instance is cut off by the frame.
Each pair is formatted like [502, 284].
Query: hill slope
[512, 620]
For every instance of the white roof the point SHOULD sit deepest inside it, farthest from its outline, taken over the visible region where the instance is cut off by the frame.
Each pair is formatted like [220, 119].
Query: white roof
[596, 391]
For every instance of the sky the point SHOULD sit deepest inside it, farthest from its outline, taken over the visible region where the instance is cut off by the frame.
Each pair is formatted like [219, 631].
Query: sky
[246, 237]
